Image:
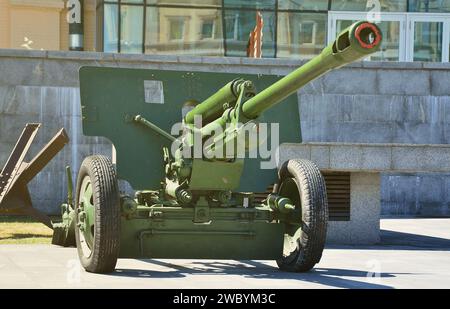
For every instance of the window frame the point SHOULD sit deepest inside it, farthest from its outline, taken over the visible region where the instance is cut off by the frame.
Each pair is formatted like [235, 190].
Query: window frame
[213, 28]
[406, 20]
[313, 34]
[412, 18]
[181, 19]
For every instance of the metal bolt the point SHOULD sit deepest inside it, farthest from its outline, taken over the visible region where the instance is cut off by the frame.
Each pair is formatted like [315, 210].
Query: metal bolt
[201, 213]
[184, 196]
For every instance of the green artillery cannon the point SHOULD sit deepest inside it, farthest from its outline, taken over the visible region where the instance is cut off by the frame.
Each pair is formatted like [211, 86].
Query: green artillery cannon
[196, 195]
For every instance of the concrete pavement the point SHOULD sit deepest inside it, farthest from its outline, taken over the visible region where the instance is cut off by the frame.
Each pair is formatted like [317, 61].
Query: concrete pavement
[414, 253]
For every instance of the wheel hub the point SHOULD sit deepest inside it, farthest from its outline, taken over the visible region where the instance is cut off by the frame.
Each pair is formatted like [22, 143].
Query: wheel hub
[86, 220]
[289, 189]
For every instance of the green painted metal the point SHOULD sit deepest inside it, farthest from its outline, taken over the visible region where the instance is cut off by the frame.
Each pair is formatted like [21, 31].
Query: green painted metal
[212, 107]
[86, 213]
[69, 185]
[152, 126]
[170, 233]
[221, 175]
[280, 203]
[64, 231]
[110, 97]
[201, 207]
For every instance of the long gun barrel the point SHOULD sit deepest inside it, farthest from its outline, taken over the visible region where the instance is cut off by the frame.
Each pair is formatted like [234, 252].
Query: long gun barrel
[356, 42]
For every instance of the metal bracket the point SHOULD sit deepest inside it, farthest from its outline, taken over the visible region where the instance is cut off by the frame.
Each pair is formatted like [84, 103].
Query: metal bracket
[201, 212]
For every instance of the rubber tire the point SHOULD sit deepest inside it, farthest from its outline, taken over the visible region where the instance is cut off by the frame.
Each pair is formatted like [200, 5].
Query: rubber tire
[314, 210]
[106, 240]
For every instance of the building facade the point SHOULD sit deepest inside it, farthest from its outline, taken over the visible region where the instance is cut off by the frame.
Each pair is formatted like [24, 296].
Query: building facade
[399, 102]
[414, 30]
[42, 24]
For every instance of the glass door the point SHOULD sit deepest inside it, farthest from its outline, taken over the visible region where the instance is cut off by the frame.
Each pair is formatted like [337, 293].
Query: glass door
[392, 25]
[428, 37]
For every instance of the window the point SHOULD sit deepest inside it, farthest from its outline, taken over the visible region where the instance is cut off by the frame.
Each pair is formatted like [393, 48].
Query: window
[131, 24]
[436, 6]
[207, 31]
[428, 37]
[364, 5]
[390, 47]
[176, 28]
[313, 5]
[239, 24]
[203, 3]
[428, 41]
[307, 31]
[301, 35]
[197, 31]
[240, 19]
[111, 28]
[413, 30]
[256, 4]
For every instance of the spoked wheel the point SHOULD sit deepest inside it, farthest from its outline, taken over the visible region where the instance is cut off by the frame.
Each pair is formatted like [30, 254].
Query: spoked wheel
[97, 230]
[302, 182]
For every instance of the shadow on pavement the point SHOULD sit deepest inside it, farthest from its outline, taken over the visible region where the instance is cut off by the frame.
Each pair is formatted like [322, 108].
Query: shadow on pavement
[392, 240]
[330, 277]
[25, 235]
